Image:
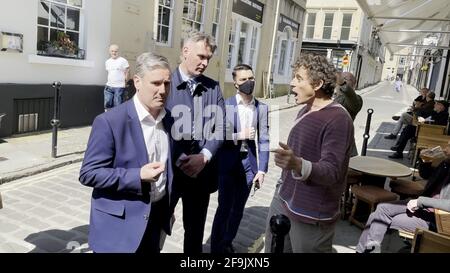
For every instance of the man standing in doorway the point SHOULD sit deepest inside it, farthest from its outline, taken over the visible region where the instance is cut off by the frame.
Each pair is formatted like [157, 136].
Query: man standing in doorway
[192, 97]
[118, 69]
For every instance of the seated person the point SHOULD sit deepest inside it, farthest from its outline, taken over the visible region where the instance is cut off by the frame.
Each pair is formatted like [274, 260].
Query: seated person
[409, 214]
[407, 117]
[439, 116]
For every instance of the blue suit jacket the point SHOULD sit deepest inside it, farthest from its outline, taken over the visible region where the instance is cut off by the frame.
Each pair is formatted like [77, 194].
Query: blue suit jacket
[180, 101]
[229, 152]
[115, 153]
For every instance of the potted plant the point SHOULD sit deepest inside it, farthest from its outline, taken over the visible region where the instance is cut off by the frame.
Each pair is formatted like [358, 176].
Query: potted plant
[62, 46]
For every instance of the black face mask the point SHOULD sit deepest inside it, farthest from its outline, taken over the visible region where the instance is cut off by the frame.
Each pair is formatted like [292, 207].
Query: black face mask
[247, 87]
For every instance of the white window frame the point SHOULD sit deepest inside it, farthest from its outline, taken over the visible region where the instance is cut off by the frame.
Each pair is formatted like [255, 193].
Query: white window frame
[313, 25]
[81, 38]
[218, 12]
[253, 26]
[331, 27]
[291, 41]
[158, 25]
[346, 27]
[183, 19]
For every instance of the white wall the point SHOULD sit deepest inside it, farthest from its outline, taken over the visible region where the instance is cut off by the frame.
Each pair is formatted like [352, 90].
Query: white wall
[20, 16]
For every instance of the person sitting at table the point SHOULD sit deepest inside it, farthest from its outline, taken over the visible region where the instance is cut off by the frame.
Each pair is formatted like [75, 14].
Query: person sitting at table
[407, 117]
[439, 116]
[409, 214]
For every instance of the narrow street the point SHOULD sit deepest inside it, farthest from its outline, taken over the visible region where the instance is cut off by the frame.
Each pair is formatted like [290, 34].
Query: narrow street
[49, 212]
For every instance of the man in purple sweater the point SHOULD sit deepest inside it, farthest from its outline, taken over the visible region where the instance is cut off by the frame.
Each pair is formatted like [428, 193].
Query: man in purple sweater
[314, 161]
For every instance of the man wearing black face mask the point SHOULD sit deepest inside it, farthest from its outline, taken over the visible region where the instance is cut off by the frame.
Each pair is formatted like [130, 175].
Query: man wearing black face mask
[243, 162]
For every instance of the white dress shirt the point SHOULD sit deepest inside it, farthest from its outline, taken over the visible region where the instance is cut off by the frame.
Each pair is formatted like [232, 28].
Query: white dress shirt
[247, 114]
[157, 143]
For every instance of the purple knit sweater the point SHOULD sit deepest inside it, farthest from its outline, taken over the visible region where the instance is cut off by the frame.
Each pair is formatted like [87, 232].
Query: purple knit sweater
[324, 138]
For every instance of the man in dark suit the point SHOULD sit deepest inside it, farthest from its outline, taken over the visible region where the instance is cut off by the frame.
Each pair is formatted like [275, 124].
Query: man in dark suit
[242, 165]
[197, 105]
[128, 163]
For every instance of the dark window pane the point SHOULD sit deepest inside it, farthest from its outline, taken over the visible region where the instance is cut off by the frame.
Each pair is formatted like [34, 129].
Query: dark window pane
[214, 30]
[42, 38]
[186, 9]
[43, 13]
[347, 20]
[199, 16]
[53, 34]
[164, 36]
[159, 14]
[345, 33]
[58, 15]
[310, 32]
[73, 19]
[311, 19]
[329, 19]
[166, 17]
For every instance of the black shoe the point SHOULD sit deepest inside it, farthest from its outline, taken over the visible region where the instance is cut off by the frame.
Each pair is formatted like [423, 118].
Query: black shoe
[396, 155]
[229, 249]
[390, 136]
[395, 118]
[394, 148]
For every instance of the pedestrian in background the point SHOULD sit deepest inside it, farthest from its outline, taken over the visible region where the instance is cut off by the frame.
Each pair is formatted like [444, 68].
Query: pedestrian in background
[192, 95]
[314, 160]
[128, 165]
[244, 162]
[118, 69]
[398, 84]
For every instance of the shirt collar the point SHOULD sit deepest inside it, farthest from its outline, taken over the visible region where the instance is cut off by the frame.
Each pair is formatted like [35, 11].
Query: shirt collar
[184, 77]
[143, 114]
[239, 100]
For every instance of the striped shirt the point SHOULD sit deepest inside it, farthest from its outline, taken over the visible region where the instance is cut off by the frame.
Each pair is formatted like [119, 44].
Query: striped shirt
[324, 138]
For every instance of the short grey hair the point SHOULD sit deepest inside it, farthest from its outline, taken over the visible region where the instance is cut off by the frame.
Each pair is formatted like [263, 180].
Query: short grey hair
[149, 61]
[196, 36]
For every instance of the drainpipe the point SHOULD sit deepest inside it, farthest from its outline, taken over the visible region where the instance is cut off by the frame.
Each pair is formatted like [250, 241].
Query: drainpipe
[274, 37]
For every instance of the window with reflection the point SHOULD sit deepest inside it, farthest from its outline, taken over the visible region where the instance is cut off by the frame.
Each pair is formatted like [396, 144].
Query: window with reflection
[216, 20]
[346, 25]
[328, 26]
[59, 28]
[193, 13]
[164, 23]
[243, 42]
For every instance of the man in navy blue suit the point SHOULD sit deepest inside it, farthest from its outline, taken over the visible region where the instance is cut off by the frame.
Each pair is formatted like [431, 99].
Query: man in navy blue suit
[246, 118]
[128, 164]
[197, 105]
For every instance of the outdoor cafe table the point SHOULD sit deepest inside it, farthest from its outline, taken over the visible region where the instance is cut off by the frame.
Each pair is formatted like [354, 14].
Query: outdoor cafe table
[378, 167]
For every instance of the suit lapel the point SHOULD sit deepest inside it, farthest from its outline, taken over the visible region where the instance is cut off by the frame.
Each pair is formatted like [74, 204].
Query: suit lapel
[237, 121]
[136, 133]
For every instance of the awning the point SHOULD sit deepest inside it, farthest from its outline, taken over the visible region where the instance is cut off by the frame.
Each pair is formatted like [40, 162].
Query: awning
[405, 22]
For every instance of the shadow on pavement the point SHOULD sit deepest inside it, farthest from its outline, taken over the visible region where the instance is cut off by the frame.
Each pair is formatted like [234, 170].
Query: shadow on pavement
[60, 241]
[250, 232]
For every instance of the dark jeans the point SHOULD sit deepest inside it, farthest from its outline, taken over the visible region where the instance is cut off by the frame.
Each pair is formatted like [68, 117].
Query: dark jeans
[408, 132]
[113, 96]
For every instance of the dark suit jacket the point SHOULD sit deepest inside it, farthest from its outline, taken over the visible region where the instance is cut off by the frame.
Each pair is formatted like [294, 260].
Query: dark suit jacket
[115, 153]
[180, 103]
[229, 152]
